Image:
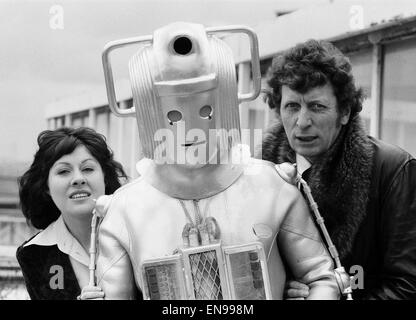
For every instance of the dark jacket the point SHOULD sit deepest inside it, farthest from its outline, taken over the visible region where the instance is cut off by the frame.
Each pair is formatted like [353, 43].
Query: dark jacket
[37, 264]
[366, 192]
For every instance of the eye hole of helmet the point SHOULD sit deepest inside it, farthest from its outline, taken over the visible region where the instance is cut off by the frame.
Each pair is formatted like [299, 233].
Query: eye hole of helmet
[182, 45]
[174, 116]
[206, 112]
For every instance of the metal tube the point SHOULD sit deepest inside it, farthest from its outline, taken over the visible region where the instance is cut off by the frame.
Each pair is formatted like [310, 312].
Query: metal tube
[342, 277]
[93, 248]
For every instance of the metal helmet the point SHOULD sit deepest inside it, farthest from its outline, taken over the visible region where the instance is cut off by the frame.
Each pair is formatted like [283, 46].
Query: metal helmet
[184, 86]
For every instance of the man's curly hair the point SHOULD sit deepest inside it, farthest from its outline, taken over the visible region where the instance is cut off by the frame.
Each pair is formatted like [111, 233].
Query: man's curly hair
[313, 64]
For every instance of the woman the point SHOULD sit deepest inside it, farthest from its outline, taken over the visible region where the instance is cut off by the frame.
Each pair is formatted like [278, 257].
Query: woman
[71, 168]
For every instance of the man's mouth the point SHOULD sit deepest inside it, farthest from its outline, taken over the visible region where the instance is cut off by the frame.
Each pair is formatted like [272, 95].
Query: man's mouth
[306, 138]
[79, 195]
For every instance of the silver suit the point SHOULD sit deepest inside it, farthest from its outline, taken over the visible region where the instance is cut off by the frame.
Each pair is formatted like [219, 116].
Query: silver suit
[143, 223]
[184, 88]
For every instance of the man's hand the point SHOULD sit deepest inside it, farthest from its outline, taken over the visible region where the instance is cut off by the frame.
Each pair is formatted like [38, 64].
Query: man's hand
[295, 290]
[91, 293]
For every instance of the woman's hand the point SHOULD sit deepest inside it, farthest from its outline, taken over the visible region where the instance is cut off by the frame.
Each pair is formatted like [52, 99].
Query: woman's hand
[91, 293]
[295, 290]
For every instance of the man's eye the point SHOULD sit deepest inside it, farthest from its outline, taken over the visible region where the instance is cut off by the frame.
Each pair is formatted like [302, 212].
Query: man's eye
[317, 106]
[292, 106]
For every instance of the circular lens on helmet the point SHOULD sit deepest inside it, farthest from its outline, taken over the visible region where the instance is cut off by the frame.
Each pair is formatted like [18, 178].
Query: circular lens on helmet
[182, 45]
[205, 112]
[174, 116]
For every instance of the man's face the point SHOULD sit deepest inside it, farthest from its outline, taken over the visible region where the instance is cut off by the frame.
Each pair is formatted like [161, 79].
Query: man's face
[311, 120]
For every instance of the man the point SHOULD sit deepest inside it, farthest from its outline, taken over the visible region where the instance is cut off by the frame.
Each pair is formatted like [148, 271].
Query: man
[190, 201]
[365, 188]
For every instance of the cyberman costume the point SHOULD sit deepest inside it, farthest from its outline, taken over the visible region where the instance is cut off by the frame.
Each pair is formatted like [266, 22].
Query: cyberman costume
[201, 225]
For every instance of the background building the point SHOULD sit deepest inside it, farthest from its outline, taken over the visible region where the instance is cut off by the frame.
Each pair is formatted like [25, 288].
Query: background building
[13, 231]
[378, 36]
[379, 40]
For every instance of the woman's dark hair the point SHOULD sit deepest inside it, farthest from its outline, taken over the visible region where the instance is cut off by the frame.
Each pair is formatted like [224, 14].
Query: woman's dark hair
[313, 64]
[37, 205]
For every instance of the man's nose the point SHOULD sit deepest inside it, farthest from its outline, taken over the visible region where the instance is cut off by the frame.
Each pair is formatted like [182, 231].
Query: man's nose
[78, 179]
[304, 118]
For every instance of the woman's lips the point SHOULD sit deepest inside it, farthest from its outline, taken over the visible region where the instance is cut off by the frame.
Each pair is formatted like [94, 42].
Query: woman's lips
[79, 195]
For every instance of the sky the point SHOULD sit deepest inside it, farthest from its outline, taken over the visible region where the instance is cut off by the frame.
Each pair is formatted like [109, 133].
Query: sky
[44, 58]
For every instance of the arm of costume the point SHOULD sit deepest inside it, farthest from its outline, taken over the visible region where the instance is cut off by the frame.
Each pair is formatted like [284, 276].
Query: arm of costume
[398, 238]
[28, 267]
[114, 267]
[302, 247]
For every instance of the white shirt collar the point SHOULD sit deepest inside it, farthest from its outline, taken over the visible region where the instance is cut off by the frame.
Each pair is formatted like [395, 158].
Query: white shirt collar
[302, 164]
[58, 234]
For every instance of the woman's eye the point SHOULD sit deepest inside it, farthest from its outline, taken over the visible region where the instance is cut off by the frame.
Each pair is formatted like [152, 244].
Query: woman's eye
[88, 169]
[62, 171]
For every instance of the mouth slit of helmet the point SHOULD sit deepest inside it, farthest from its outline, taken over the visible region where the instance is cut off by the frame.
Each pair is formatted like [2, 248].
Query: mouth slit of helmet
[188, 144]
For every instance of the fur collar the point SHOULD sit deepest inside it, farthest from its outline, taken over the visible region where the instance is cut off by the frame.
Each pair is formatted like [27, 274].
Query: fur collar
[340, 182]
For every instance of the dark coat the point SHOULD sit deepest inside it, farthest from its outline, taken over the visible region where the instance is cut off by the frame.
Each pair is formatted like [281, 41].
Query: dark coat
[36, 263]
[366, 192]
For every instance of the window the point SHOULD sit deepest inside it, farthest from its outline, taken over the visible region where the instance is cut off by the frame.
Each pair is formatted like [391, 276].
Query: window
[399, 95]
[13, 228]
[362, 71]
[102, 121]
[80, 119]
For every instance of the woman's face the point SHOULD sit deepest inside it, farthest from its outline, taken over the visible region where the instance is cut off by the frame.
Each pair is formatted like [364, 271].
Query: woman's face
[74, 181]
